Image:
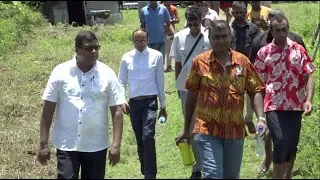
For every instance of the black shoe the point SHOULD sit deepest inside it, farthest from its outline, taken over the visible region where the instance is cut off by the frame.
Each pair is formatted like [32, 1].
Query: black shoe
[169, 69]
[195, 175]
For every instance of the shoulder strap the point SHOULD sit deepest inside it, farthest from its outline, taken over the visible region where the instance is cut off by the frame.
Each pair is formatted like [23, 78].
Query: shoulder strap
[191, 51]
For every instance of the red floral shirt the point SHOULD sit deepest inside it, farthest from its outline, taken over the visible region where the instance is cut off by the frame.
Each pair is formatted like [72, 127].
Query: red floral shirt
[283, 71]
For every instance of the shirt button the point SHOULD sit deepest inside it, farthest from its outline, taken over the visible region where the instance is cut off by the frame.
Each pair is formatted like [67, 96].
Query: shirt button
[82, 85]
[80, 110]
[78, 135]
[81, 97]
[79, 122]
[84, 74]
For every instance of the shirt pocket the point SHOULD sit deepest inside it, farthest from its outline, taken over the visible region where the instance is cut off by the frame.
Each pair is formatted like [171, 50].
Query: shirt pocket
[70, 89]
[237, 83]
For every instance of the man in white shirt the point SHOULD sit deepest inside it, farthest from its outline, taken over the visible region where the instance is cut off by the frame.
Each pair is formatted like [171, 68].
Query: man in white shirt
[142, 69]
[205, 11]
[82, 89]
[182, 45]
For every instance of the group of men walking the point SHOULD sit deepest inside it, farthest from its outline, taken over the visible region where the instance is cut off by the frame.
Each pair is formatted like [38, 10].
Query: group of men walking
[217, 67]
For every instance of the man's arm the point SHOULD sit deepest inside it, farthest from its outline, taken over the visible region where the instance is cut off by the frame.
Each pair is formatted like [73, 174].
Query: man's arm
[310, 87]
[117, 122]
[142, 20]
[190, 107]
[168, 20]
[177, 20]
[160, 81]
[123, 74]
[45, 123]
[176, 55]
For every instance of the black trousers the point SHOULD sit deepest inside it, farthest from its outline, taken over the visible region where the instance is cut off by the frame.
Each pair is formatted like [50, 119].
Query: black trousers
[93, 164]
[284, 127]
[143, 116]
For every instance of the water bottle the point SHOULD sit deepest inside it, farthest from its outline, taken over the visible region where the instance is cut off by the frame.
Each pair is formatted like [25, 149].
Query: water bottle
[186, 153]
[162, 119]
[260, 143]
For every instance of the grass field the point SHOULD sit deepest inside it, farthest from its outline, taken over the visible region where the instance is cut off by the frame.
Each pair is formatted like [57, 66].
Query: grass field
[25, 70]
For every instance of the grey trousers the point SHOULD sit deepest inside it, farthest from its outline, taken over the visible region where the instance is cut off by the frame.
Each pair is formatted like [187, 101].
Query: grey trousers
[197, 166]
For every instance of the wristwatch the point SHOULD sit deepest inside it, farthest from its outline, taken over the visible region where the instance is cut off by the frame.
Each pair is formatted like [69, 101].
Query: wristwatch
[262, 119]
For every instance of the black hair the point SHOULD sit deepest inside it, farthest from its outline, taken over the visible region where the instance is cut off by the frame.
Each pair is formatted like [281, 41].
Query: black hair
[239, 4]
[278, 18]
[139, 29]
[84, 36]
[192, 13]
[220, 24]
[274, 12]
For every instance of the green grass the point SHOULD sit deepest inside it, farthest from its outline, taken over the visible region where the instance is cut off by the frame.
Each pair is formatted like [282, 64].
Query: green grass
[25, 71]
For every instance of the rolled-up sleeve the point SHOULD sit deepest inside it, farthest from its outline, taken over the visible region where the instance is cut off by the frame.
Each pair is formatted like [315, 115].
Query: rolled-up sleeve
[51, 92]
[193, 80]
[116, 92]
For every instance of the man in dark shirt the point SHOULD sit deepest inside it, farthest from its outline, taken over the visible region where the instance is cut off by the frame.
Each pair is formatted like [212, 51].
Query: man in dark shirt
[259, 42]
[243, 33]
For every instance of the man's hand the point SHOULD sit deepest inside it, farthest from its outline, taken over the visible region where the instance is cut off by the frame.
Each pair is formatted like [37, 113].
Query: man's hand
[307, 108]
[114, 154]
[163, 112]
[182, 136]
[263, 124]
[125, 108]
[44, 155]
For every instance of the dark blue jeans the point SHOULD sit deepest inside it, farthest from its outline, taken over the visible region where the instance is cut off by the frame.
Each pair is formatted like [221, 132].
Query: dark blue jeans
[143, 116]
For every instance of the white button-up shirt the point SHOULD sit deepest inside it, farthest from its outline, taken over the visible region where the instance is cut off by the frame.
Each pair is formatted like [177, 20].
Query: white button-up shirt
[81, 122]
[143, 71]
[180, 48]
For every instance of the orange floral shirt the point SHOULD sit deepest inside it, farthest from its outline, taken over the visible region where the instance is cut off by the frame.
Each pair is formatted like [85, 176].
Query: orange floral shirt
[219, 107]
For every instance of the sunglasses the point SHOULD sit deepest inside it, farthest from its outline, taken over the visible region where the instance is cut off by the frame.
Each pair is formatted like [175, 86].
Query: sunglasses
[193, 24]
[139, 41]
[91, 48]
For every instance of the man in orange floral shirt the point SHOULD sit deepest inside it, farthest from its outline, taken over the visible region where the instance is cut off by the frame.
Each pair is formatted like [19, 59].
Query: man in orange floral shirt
[286, 69]
[217, 82]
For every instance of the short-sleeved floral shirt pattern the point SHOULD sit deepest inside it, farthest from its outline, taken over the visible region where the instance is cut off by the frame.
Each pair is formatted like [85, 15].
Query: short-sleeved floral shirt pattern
[284, 71]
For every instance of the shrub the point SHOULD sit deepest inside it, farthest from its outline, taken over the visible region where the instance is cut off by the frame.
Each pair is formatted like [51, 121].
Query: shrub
[17, 21]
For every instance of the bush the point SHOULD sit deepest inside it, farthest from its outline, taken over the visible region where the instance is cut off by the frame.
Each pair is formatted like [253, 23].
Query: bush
[17, 21]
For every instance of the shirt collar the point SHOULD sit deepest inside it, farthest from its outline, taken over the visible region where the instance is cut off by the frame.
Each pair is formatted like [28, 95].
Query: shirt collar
[74, 64]
[144, 52]
[234, 60]
[237, 25]
[202, 31]
[288, 45]
[149, 7]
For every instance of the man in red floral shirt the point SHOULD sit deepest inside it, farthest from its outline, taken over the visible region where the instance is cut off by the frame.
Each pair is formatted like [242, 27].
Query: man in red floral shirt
[286, 69]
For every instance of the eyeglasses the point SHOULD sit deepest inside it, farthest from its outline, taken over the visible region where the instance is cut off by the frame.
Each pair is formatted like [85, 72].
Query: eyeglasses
[139, 41]
[193, 24]
[91, 48]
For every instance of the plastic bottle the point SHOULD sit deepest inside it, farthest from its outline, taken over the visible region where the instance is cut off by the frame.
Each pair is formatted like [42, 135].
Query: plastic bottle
[162, 119]
[260, 151]
[186, 153]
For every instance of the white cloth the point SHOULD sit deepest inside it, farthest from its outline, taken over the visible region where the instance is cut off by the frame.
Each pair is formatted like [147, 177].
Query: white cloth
[181, 46]
[143, 71]
[211, 14]
[81, 122]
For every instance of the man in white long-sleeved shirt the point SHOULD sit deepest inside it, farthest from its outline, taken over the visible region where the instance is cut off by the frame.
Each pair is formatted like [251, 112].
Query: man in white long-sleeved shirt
[142, 69]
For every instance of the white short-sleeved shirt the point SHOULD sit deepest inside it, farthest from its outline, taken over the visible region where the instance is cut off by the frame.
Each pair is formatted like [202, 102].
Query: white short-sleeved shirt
[180, 48]
[81, 122]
